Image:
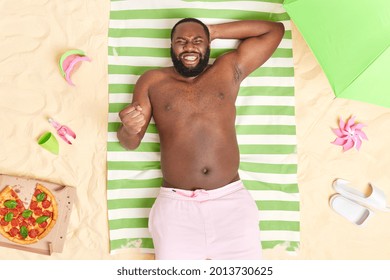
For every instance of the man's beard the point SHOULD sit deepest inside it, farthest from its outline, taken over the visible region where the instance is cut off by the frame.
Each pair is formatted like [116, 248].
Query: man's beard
[190, 72]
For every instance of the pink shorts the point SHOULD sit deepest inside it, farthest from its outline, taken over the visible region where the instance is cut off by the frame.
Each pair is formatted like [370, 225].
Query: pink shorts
[217, 224]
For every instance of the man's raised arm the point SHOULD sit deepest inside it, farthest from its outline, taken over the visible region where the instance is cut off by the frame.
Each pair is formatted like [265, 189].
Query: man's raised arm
[259, 41]
[136, 116]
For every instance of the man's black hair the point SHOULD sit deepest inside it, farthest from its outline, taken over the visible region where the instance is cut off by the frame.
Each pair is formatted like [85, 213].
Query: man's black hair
[206, 29]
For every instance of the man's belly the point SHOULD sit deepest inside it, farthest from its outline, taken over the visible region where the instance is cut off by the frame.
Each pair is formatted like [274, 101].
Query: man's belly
[198, 165]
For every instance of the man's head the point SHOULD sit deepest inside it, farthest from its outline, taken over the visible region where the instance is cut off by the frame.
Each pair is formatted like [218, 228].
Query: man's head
[190, 47]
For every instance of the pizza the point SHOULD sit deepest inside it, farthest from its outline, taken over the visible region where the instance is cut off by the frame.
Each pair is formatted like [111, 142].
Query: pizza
[27, 226]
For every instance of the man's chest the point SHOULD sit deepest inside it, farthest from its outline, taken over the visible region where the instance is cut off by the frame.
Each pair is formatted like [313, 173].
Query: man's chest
[189, 98]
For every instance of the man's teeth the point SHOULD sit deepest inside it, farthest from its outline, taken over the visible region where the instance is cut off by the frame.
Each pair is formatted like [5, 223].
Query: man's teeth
[190, 58]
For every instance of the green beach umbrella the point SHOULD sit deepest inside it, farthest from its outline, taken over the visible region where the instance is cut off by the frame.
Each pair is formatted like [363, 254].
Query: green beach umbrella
[350, 39]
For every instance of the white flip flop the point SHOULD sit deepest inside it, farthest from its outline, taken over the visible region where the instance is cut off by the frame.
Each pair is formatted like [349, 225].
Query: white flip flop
[376, 200]
[352, 211]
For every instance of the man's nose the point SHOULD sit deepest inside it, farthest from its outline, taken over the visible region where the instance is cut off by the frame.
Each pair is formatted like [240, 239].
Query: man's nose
[189, 47]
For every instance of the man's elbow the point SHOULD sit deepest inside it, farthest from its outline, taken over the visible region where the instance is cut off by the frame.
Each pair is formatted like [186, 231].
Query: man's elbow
[279, 29]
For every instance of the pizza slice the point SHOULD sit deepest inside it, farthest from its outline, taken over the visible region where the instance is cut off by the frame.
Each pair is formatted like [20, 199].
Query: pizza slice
[27, 226]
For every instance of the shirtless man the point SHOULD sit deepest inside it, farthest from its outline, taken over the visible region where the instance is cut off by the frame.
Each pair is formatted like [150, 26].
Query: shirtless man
[203, 210]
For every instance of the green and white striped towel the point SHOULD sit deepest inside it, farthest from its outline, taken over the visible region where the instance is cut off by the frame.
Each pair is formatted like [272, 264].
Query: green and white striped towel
[139, 39]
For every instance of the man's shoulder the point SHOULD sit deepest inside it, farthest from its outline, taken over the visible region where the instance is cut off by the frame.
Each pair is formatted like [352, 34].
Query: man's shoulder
[154, 75]
[158, 72]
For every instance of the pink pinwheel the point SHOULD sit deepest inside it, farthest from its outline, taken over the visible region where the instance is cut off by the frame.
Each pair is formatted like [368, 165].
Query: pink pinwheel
[349, 134]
